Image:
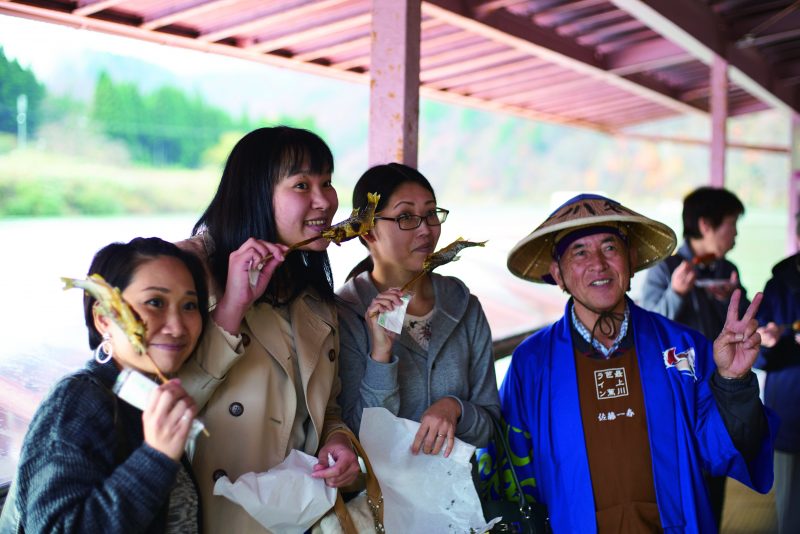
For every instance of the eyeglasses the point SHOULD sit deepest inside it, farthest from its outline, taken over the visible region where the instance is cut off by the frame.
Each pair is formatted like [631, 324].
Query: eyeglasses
[410, 222]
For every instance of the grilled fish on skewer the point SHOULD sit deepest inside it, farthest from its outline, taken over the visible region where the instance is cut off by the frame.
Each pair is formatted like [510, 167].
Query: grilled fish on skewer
[359, 223]
[112, 305]
[449, 253]
[443, 256]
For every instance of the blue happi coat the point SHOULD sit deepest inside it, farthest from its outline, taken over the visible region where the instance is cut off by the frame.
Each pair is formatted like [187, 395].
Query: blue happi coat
[540, 404]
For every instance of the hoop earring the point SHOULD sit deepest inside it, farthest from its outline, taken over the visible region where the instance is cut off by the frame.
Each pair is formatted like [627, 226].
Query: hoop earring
[105, 348]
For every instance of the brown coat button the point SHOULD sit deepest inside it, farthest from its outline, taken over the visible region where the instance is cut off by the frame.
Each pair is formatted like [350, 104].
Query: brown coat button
[332, 355]
[219, 473]
[236, 409]
[245, 339]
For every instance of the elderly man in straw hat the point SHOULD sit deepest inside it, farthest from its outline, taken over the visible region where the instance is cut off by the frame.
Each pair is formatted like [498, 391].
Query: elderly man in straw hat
[614, 411]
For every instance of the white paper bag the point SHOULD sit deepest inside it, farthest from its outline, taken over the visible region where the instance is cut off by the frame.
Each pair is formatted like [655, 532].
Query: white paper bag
[421, 493]
[285, 499]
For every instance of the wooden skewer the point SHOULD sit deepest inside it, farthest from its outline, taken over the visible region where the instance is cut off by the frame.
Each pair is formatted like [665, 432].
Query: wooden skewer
[164, 380]
[160, 375]
[411, 282]
[291, 248]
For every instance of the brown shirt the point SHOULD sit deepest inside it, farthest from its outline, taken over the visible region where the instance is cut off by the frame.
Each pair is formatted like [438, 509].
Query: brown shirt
[617, 444]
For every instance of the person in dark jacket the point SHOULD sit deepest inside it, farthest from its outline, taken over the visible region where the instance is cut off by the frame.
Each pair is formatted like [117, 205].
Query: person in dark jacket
[780, 358]
[90, 461]
[694, 286]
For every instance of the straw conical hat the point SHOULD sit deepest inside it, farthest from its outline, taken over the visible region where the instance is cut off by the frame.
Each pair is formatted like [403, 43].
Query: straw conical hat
[530, 259]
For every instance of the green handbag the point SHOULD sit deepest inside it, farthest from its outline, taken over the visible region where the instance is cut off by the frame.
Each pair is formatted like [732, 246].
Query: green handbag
[517, 517]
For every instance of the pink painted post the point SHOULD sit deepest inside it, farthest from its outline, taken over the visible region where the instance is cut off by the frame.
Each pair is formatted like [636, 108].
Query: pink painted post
[719, 119]
[394, 82]
[794, 183]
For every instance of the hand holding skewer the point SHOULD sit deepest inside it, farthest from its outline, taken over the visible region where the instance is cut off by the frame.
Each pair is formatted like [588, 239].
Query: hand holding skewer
[437, 259]
[359, 223]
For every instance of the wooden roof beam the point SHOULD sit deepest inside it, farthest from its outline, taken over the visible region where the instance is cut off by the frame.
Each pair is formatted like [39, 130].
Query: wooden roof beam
[649, 55]
[597, 36]
[744, 27]
[509, 54]
[460, 53]
[314, 31]
[601, 96]
[632, 116]
[182, 12]
[338, 48]
[90, 7]
[624, 40]
[769, 38]
[538, 84]
[602, 109]
[593, 23]
[489, 75]
[527, 97]
[520, 33]
[487, 7]
[552, 16]
[358, 44]
[702, 33]
[444, 39]
[272, 16]
[496, 86]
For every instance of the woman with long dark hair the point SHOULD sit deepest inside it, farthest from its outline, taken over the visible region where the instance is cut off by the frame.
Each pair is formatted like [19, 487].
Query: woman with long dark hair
[267, 368]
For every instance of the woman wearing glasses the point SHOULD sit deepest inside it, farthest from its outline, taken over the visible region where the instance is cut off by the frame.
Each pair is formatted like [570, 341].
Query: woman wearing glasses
[440, 369]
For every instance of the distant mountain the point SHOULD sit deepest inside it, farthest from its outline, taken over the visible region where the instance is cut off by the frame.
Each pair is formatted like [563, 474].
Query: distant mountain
[261, 90]
[76, 76]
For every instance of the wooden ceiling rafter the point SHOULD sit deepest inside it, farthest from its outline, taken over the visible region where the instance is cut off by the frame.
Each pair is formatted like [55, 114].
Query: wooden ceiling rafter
[313, 31]
[701, 32]
[489, 75]
[177, 14]
[90, 7]
[273, 16]
[547, 44]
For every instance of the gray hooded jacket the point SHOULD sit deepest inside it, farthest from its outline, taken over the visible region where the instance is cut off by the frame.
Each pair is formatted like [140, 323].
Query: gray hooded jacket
[458, 363]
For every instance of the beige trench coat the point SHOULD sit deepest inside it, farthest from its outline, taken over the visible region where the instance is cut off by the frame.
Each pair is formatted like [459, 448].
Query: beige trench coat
[250, 400]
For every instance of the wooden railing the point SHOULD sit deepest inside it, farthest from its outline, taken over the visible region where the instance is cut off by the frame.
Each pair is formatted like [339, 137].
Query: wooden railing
[504, 347]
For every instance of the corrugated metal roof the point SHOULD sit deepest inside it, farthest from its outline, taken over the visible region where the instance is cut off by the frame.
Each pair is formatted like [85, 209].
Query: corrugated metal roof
[603, 64]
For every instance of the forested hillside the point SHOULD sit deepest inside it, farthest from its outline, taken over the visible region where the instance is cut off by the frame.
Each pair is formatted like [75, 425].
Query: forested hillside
[104, 118]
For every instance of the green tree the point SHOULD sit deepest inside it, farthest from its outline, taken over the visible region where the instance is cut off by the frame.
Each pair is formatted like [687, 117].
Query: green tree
[165, 127]
[117, 108]
[15, 81]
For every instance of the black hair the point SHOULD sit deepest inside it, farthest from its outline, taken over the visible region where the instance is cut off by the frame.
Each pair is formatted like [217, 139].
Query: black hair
[710, 203]
[384, 180]
[118, 262]
[243, 208]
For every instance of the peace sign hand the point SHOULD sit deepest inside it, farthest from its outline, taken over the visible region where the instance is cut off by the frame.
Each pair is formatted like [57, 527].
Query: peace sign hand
[736, 347]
